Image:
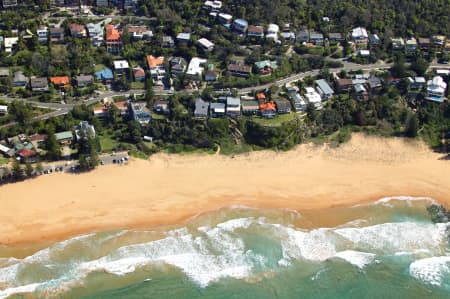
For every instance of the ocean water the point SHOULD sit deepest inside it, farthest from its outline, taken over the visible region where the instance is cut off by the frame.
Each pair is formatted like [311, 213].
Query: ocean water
[387, 249]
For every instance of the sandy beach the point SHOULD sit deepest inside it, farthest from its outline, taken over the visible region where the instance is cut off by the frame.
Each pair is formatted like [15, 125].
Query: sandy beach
[169, 189]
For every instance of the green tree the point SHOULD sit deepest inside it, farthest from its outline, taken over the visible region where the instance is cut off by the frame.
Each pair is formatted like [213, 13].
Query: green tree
[52, 146]
[20, 112]
[83, 163]
[149, 92]
[412, 126]
[17, 170]
[29, 169]
[39, 167]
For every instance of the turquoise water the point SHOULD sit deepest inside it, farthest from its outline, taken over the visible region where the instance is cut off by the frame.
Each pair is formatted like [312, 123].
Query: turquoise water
[388, 249]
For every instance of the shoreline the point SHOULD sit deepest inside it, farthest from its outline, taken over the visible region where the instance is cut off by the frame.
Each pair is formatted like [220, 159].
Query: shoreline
[171, 189]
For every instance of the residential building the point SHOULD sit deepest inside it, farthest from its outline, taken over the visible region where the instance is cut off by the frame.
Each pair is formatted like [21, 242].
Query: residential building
[249, 106]
[438, 40]
[288, 35]
[178, 66]
[201, 108]
[57, 35]
[283, 106]
[3, 109]
[272, 32]
[19, 79]
[374, 83]
[211, 76]
[195, 68]
[9, 3]
[84, 80]
[84, 128]
[156, 67]
[424, 43]
[100, 112]
[4, 73]
[436, 89]
[121, 67]
[96, 35]
[26, 155]
[265, 67]
[139, 32]
[42, 34]
[9, 43]
[302, 36]
[316, 38]
[233, 107]
[268, 109]
[167, 42]
[60, 82]
[101, 3]
[344, 85]
[161, 106]
[113, 39]
[39, 84]
[205, 44]
[298, 102]
[77, 30]
[105, 75]
[129, 4]
[122, 106]
[313, 97]
[183, 38]
[324, 89]
[139, 74]
[240, 26]
[361, 92]
[416, 83]
[217, 109]
[212, 5]
[225, 19]
[359, 35]
[65, 137]
[397, 43]
[335, 37]
[239, 70]
[255, 31]
[140, 113]
[363, 53]
[374, 40]
[411, 45]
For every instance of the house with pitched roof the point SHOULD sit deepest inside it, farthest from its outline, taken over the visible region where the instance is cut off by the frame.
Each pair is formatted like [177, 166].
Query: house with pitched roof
[113, 39]
[60, 82]
[105, 75]
[77, 30]
[156, 67]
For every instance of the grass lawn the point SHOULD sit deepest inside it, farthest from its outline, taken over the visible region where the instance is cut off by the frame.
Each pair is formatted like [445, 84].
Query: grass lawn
[99, 67]
[276, 121]
[158, 116]
[137, 85]
[4, 160]
[107, 142]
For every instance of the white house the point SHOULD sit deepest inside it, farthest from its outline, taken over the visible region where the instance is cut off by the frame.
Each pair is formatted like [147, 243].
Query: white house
[195, 68]
[42, 33]
[359, 35]
[3, 109]
[205, 44]
[121, 65]
[313, 97]
[272, 32]
[436, 89]
[9, 43]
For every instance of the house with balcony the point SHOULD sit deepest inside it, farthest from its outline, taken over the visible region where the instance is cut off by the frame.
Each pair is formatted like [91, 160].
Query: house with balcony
[42, 34]
[255, 31]
[201, 109]
[233, 107]
[239, 70]
[77, 30]
[178, 66]
[436, 89]
[60, 82]
[139, 32]
[272, 32]
[359, 36]
[217, 109]
[156, 67]
[265, 67]
[324, 89]
[113, 39]
[411, 45]
[95, 32]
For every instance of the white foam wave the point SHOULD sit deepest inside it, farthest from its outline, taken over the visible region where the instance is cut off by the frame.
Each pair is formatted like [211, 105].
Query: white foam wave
[394, 237]
[356, 258]
[431, 270]
[29, 288]
[409, 199]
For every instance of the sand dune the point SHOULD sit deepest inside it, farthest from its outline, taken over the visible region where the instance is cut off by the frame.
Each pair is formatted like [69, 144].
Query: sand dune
[169, 189]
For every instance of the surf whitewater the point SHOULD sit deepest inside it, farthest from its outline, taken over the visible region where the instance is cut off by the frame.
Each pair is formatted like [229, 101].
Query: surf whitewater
[389, 248]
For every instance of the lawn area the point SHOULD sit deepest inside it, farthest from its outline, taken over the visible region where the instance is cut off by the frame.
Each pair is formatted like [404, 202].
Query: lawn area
[158, 116]
[137, 85]
[99, 67]
[4, 160]
[276, 121]
[107, 142]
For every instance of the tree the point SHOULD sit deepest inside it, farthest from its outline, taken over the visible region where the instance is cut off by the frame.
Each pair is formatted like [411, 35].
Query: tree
[126, 37]
[17, 170]
[149, 92]
[20, 112]
[52, 146]
[39, 167]
[411, 126]
[94, 161]
[83, 163]
[419, 66]
[29, 169]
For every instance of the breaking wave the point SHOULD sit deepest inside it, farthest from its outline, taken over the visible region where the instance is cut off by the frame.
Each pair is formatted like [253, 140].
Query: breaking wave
[237, 248]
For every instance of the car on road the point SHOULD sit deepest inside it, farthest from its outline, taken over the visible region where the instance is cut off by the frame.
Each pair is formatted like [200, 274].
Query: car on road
[102, 162]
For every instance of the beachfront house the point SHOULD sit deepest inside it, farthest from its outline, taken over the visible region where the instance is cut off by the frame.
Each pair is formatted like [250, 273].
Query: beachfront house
[217, 109]
[436, 89]
[64, 138]
[283, 106]
[298, 102]
[313, 97]
[201, 109]
[268, 109]
[249, 107]
[233, 107]
[140, 113]
[86, 129]
[324, 89]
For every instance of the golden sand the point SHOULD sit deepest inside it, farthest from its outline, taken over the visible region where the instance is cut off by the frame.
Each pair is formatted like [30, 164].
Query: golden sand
[169, 189]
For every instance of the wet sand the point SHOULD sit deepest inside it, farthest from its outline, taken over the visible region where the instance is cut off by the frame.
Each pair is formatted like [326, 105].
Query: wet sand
[169, 189]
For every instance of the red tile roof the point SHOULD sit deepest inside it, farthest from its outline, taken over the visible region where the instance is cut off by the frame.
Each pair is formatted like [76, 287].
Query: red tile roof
[60, 80]
[267, 106]
[112, 33]
[154, 61]
[26, 153]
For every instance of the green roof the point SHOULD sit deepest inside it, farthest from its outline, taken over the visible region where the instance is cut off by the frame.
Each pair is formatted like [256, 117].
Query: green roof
[64, 135]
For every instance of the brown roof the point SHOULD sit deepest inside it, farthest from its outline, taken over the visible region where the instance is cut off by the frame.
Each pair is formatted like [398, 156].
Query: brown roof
[257, 29]
[77, 28]
[239, 68]
[38, 137]
[112, 33]
[26, 153]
